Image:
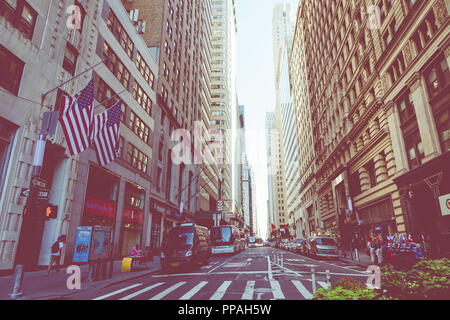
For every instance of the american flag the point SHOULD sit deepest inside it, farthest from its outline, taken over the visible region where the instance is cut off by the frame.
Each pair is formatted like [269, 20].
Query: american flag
[106, 134]
[76, 116]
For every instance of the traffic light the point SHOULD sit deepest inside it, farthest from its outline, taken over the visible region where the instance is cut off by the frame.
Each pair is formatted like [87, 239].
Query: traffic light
[51, 212]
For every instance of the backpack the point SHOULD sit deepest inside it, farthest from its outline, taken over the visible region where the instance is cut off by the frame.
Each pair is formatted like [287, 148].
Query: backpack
[55, 247]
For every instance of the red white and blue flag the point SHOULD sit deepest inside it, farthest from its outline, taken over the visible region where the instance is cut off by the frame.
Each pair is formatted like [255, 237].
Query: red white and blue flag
[76, 117]
[106, 134]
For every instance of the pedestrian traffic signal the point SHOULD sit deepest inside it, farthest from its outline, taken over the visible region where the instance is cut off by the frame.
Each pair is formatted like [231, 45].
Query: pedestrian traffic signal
[51, 212]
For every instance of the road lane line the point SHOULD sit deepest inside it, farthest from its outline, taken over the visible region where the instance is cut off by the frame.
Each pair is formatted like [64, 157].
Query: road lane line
[323, 284]
[131, 296]
[301, 288]
[118, 291]
[161, 295]
[220, 265]
[194, 290]
[269, 270]
[248, 292]
[276, 290]
[221, 291]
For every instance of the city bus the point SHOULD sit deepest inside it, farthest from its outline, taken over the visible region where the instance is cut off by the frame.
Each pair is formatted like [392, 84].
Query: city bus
[225, 239]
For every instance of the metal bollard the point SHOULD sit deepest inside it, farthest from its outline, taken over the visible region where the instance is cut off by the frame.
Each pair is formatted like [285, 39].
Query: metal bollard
[328, 279]
[18, 280]
[111, 267]
[282, 262]
[313, 278]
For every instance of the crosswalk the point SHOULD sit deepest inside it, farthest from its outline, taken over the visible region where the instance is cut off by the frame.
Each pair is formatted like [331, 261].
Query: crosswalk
[217, 290]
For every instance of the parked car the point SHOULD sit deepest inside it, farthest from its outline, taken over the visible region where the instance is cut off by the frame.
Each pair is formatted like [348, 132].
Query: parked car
[187, 245]
[323, 247]
[298, 245]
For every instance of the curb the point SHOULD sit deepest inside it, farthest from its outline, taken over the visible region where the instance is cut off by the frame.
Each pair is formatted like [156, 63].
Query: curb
[95, 285]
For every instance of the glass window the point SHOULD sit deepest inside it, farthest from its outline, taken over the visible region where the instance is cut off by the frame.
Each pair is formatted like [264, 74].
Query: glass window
[11, 69]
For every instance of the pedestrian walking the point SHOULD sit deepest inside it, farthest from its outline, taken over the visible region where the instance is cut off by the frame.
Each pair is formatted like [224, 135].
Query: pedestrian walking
[55, 256]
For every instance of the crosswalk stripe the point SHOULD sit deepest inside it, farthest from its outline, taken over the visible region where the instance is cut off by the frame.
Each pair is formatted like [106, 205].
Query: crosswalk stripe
[194, 290]
[131, 296]
[276, 289]
[118, 291]
[248, 293]
[167, 291]
[221, 291]
[300, 287]
[323, 284]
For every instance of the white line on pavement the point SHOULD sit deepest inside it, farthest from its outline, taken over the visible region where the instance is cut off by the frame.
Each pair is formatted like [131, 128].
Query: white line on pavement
[118, 291]
[301, 288]
[323, 284]
[248, 292]
[131, 296]
[167, 291]
[269, 270]
[276, 289]
[221, 291]
[194, 290]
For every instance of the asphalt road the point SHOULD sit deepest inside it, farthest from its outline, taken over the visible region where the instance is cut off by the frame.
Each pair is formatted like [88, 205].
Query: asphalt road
[254, 274]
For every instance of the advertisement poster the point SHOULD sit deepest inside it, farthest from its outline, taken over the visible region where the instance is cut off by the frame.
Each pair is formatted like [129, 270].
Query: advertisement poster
[100, 247]
[82, 244]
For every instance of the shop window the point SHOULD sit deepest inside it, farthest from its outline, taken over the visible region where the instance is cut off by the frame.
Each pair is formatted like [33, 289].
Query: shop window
[70, 59]
[11, 69]
[21, 15]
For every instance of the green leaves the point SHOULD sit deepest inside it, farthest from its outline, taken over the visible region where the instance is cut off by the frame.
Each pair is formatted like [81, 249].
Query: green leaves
[429, 279]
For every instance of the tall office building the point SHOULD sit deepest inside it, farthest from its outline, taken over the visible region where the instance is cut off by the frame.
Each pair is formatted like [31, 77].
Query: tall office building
[283, 25]
[179, 34]
[377, 83]
[223, 92]
[36, 59]
[307, 220]
[270, 132]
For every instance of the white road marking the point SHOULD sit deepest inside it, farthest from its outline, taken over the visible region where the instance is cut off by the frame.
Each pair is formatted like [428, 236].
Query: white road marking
[221, 291]
[248, 292]
[301, 288]
[219, 265]
[276, 289]
[323, 284]
[269, 270]
[235, 265]
[167, 291]
[131, 296]
[118, 291]
[194, 290]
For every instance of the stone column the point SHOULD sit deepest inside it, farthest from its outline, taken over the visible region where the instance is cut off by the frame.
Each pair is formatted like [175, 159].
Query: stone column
[425, 119]
[119, 214]
[381, 172]
[364, 179]
[398, 143]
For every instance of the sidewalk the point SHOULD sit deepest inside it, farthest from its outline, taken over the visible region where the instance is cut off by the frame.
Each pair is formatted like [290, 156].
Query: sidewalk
[364, 259]
[38, 286]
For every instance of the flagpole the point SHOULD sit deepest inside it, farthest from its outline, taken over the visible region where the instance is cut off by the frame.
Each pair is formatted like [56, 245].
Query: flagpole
[71, 79]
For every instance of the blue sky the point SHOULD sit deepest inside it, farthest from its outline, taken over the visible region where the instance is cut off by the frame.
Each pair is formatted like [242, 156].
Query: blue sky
[256, 85]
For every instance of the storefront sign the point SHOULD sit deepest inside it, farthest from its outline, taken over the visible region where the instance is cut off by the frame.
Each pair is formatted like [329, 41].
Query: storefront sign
[444, 201]
[133, 216]
[99, 208]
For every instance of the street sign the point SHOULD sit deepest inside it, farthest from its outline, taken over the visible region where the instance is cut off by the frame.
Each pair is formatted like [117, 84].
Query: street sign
[25, 192]
[42, 194]
[444, 202]
[38, 182]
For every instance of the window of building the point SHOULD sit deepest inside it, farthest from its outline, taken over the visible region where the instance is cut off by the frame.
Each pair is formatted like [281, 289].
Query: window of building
[370, 167]
[21, 15]
[437, 76]
[70, 59]
[414, 149]
[11, 69]
[136, 158]
[405, 108]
